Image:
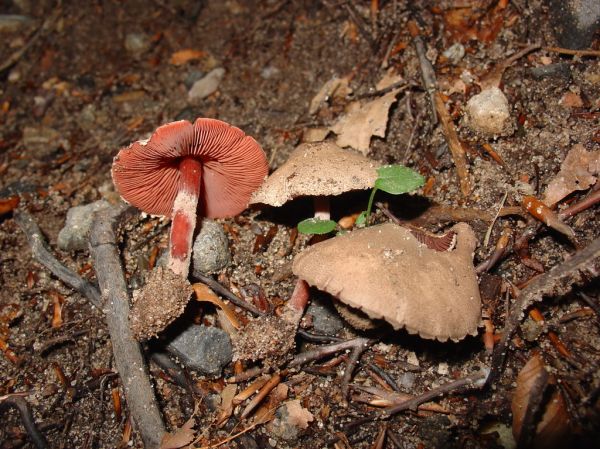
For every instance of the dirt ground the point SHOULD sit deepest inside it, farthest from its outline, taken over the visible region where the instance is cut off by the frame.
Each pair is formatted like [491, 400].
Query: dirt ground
[80, 80]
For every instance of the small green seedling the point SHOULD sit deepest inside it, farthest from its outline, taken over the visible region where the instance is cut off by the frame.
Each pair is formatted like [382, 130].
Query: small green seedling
[316, 226]
[393, 179]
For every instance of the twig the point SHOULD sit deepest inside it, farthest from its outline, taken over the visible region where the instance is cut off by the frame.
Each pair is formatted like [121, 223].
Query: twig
[17, 401]
[385, 376]
[264, 391]
[456, 148]
[314, 338]
[568, 51]
[557, 280]
[350, 367]
[129, 359]
[324, 351]
[43, 255]
[221, 290]
[472, 381]
[427, 71]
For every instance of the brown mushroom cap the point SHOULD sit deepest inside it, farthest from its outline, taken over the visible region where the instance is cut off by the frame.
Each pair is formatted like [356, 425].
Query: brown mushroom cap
[320, 168]
[146, 173]
[388, 274]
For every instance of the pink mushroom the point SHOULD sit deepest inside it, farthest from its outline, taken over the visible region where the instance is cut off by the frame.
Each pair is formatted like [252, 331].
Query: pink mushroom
[208, 168]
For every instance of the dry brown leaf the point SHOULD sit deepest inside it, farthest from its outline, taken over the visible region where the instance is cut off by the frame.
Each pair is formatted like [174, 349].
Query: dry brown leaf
[182, 56]
[297, 415]
[179, 437]
[528, 401]
[226, 408]
[335, 86]
[577, 172]
[362, 121]
[205, 294]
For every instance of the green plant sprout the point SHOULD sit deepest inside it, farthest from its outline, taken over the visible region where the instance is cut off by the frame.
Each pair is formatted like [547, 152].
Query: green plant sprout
[393, 179]
[316, 226]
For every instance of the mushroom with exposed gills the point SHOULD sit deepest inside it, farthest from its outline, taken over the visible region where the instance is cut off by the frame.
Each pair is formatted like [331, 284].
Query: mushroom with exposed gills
[411, 280]
[208, 168]
[318, 169]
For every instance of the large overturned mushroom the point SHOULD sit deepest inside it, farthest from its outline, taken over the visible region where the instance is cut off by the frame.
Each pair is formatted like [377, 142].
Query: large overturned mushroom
[318, 169]
[184, 170]
[387, 272]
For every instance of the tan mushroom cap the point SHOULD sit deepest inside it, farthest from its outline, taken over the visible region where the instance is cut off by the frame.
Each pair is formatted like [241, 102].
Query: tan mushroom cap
[388, 274]
[147, 174]
[313, 169]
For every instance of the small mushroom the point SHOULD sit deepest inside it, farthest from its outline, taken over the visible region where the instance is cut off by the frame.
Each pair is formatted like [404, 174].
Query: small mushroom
[208, 168]
[387, 272]
[318, 169]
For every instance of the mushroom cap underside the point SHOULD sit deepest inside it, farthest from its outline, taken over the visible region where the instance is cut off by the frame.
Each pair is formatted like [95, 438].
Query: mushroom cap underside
[147, 175]
[313, 169]
[388, 274]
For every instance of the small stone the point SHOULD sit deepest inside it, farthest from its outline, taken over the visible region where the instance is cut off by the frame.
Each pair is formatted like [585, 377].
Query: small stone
[325, 319]
[137, 43]
[407, 380]
[455, 53]
[210, 250]
[207, 85]
[443, 368]
[206, 349]
[488, 112]
[575, 22]
[74, 235]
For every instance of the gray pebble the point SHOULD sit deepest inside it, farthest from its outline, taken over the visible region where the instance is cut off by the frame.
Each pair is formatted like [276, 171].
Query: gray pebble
[206, 349]
[74, 235]
[137, 43]
[325, 319]
[211, 249]
[575, 22]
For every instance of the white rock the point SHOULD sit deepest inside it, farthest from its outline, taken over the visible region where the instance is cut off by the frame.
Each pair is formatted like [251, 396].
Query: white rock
[207, 85]
[488, 112]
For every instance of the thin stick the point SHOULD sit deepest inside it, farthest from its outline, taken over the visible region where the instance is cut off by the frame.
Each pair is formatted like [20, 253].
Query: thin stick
[264, 391]
[324, 351]
[17, 401]
[350, 367]
[428, 76]
[129, 359]
[568, 51]
[555, 281]
[456, 148]
[43, 255]
[472, 381]
[221, 290]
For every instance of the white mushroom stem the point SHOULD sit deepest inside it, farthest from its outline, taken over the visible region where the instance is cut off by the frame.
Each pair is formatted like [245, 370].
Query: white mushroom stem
[183, 218]
[322, 207]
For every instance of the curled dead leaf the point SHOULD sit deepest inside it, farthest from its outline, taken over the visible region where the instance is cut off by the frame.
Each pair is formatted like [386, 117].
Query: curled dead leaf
[8, 204]
[179, 437]
[364, 120]
[577, 172]
[529, 403]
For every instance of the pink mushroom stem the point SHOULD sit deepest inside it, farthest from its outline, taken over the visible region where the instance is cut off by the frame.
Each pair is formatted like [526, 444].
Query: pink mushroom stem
[184, 213]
